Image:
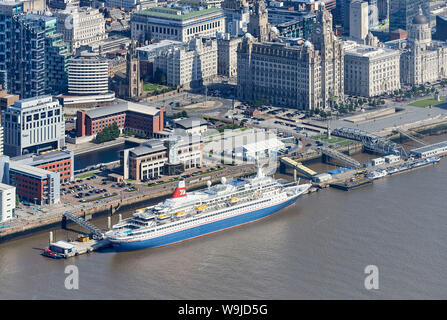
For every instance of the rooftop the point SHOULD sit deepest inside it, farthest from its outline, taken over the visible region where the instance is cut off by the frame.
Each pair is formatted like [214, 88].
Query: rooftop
[36, 172]
[122, 107]
[438, 145]
[188, 123]
[175, 14]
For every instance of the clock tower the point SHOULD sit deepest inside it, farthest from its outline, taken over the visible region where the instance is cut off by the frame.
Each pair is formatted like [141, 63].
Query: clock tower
[331, 58]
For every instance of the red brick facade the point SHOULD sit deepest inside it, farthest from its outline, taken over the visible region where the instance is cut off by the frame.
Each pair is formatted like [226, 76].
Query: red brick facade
[63, 167]
[29, 188]
[125, 120]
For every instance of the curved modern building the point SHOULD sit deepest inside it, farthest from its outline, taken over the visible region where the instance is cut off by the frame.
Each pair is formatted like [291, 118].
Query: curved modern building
[88, 81]
[88, 74]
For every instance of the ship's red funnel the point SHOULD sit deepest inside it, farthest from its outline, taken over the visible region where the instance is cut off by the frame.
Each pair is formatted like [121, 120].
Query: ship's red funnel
[180, 191]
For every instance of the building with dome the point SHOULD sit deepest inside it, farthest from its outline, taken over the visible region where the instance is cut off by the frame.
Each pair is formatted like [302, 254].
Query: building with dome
[292, 72]
[403, 12]
[424, 60]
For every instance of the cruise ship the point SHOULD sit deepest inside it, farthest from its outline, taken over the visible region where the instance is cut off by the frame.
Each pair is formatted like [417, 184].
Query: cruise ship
[214, 208]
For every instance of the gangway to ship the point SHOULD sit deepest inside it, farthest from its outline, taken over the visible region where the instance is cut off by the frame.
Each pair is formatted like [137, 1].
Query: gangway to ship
[298, 166]
[341, 157]
[84, 223]
[408, 135]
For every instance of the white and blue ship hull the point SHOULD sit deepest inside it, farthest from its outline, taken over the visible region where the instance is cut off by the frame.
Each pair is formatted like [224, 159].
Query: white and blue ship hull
[203, 229]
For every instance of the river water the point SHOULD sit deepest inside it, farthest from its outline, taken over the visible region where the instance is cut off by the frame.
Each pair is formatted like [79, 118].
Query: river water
[317, 249]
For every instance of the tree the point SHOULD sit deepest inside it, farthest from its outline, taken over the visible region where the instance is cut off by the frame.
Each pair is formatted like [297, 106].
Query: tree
[108, 133]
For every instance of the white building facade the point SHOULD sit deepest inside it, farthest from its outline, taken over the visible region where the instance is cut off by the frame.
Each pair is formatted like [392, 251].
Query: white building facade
[370, 71]
[424, 60]
[33, 125]
[189, 65]
[88, 74]
[81, 26]
[7, 202]
[179, 24]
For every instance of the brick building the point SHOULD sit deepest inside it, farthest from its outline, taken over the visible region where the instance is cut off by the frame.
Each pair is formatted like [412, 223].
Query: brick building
[138, 117]
[56, 161]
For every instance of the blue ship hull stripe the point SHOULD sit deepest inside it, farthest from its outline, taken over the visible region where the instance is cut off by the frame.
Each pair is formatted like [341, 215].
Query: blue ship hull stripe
[204, 229]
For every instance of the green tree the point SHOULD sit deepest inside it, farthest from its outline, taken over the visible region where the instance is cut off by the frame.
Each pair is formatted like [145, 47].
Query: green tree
[108, 133]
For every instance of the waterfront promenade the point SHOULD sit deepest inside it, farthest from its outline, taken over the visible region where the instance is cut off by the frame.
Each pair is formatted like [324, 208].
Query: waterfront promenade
[37, 217]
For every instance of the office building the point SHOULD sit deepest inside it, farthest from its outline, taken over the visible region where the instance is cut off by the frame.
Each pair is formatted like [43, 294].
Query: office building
[237, 16]
[34, 185]
[358, 20]
[169, 156]
[424, 60]
[81, 27]
[7, 202]
[402, 12]
[88, 74]
[61, 161]
[227, 55]
[189, 65]
[88, 81]
[370, 71]
[145, 161]
[179, 23]
[294, 73]
[138, 117]
[302, 27]
[33, 125]
[33, 56]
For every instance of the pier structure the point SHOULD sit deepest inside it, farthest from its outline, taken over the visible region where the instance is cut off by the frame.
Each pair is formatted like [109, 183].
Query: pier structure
[344, 158]
[296, 166]
[371, 141]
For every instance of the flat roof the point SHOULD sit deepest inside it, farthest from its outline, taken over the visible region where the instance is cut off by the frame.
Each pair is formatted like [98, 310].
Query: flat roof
[37, 172]
[430, 147]
[53, 155]
[189, 123]
[122, 107]
[142, 150]
[151, 12]
[63, 245]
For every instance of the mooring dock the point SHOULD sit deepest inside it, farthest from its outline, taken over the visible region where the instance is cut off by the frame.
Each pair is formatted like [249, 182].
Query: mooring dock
[84, 244]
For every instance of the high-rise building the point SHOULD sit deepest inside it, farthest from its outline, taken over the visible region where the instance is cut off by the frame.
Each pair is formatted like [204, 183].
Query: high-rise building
[88, 74]
[294, 73]
[237, 16]
[227, 55]
[32, 56]
[57, 53]
[402, 12]
[33, 125]
[259, 26]
[358, 20]
[88, 81]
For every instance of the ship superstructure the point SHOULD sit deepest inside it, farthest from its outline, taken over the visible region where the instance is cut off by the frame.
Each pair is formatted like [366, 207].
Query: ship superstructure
[215, 208]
